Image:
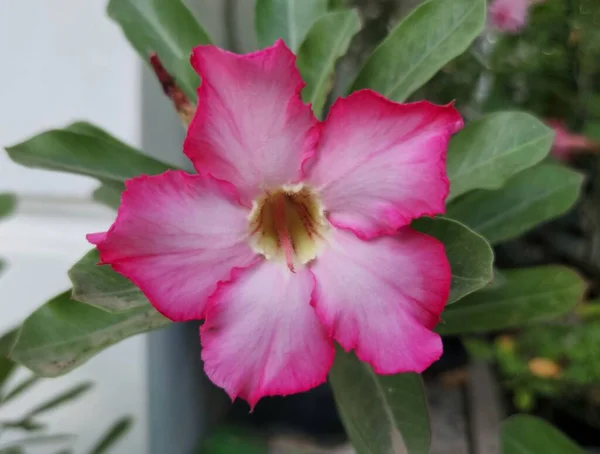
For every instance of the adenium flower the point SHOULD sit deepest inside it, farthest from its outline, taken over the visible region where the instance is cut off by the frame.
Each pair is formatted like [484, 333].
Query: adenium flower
[510, 16]
[567, 144]
[294, 233]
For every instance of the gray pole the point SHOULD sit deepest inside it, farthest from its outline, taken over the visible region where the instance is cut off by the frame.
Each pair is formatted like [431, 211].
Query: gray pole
[181, 400]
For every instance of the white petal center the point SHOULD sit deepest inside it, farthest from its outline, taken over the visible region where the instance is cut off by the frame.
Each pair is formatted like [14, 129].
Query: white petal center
[288, 224]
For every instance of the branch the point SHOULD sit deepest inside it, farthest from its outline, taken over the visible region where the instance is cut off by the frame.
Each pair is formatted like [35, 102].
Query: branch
[185, 109]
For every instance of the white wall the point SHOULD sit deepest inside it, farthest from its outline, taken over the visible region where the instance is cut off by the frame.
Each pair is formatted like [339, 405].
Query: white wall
[61, 61]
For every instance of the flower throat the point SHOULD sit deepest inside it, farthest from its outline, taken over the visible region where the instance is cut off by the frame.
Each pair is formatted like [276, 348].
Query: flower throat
[288, 224]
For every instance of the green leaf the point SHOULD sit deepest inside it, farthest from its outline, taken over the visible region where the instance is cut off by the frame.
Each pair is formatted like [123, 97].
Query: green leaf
[80, 152]
[289, 20]
[470, 256]
[527, 296]
[531, 197]
[27, 425]
[524, 434]
[20, 389]
[7, 367]
[88, 129]
[109, 195]
[492, 149]
[59, 400]
[63, 333]
[103, 287]
[166, 27]
[117, 431]
[381, 413]
[37, 440]
[7, 341]
[428, 38]
[233, 440]
[327, 40]
[11, 449]
[336, 4]
[7, 204]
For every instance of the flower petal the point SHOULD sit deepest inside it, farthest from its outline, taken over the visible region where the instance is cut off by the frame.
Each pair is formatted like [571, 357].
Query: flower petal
[262, 338]
[380, 164]
[383, 297]
[96, 238]
[251, 127]
[509, 16]
[176, 236]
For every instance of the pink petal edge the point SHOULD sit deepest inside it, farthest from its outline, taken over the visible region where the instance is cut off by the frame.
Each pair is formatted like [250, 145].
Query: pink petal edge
[261, 337]
[96, 238]
[251, 127]
[379, 164]
[509, 16]
[383, 297]
[175, 237]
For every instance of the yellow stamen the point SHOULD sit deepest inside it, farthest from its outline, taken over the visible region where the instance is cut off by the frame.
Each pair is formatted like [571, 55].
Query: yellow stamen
[288, 224]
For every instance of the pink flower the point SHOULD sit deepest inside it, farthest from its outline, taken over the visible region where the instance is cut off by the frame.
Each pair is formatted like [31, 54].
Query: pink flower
[566, 144]
[509, 16]
[294, 234]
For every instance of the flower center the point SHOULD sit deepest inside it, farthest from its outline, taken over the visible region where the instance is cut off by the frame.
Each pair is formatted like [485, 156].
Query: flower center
[288, 224]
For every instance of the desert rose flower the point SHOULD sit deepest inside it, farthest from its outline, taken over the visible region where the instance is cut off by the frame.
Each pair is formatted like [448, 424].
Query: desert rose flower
[566, 144]
[510, 16]
[294, 233]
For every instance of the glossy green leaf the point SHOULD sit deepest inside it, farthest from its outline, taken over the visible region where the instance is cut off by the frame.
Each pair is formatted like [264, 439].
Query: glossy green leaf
[381, 413]
[470, 256]
[166, 27]
[109, 195]
[327, 40]
[489, 151]
[428, 38]
[102, 287]
[81, 152]
[526, 296]
[88, 129]
[524, 434]
[64, 333]
[531, 197]
[289, 20]
[7, 204]
[114, 434]
[61, 399]
[20, 389]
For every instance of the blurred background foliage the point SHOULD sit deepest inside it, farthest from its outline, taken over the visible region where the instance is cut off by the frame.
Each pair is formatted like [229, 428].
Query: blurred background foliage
[551, 68]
